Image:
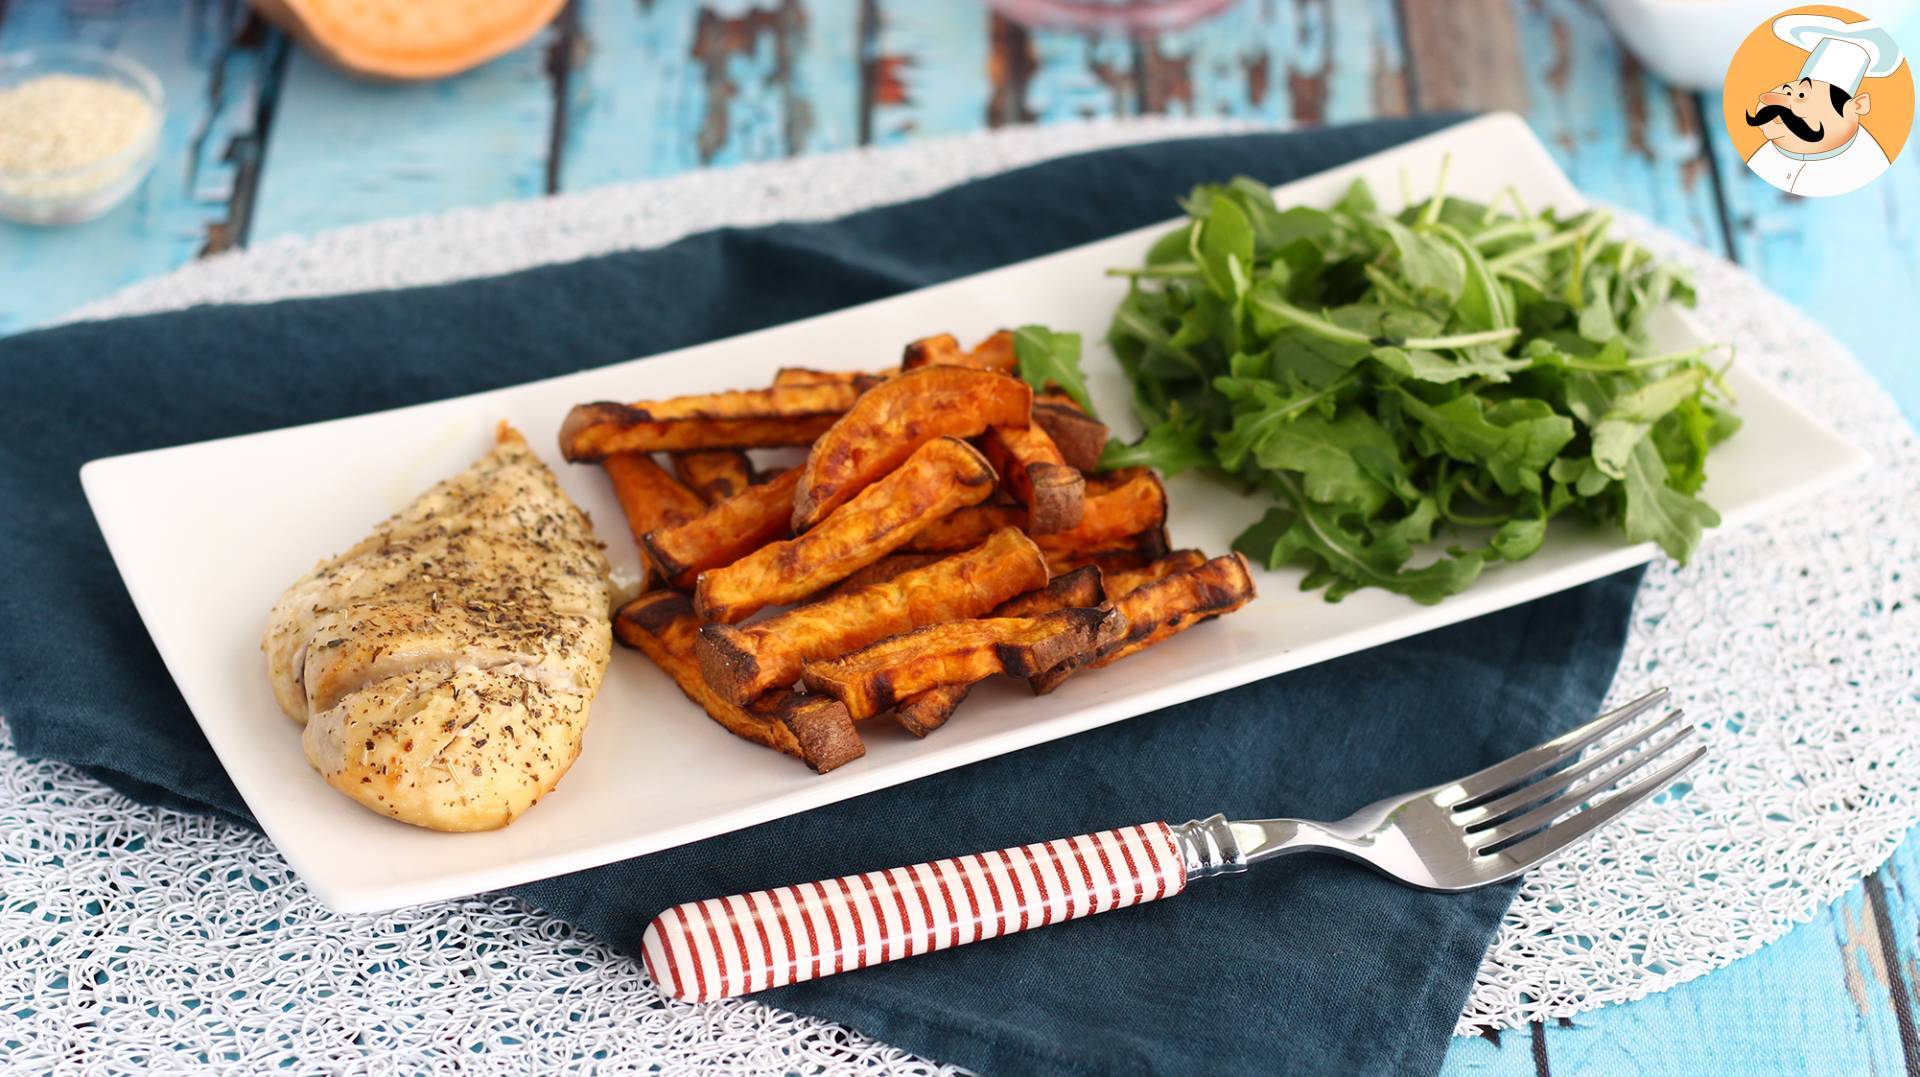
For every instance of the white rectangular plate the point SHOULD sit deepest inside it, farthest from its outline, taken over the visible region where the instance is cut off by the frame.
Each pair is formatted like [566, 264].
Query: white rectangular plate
[208, 535]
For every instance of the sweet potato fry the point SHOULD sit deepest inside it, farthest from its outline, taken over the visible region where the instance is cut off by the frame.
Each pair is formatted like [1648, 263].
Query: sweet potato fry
[1081, 587]
[943, 474]
[649, 496]
[893, 420]
[1122, 513]
[927, 711]
[716, 474]
[966, 527]
[1080, 437]
[788, 377]
[936, 350]
[813, 728]
[924, 712]
[1162, 608]
[877, 676]
[1122, 582]
[879, 572]
[741, 419]
[724, 533]
[1030, 465]
[993, 353]
[745, 661]
[1112, 512]
[1130, 552]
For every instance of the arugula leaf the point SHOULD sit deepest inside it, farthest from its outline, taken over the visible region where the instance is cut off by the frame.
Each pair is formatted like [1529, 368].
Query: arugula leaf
[1322, 451]
[1383, 376]
[1514, 451]
[1422, 365]
[1223, 249]
[1170, 447]
[1518, 538]
[1046, 359]
[1345, 561]
[1657, 512]
[1427, 263]
[1631, 416]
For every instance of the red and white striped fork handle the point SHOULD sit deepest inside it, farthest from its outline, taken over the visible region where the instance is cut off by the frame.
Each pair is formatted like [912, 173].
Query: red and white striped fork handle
[720, 947]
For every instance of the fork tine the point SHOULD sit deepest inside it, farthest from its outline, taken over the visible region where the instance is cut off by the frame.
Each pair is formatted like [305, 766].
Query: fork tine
[1572, 798]
[1496, 811]
[1533, 850]
[1498, 778]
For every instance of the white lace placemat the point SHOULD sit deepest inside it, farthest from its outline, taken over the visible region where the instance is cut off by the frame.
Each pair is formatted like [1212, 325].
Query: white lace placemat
[132, 938]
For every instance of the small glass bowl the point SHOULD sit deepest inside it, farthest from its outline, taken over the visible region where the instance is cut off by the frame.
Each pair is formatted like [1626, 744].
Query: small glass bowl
[72, 195]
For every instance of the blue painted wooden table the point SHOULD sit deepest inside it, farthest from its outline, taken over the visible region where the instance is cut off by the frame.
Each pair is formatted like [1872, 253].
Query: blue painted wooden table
[262, 141]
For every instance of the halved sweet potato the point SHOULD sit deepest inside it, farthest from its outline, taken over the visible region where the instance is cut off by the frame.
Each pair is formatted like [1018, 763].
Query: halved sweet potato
[726, 532]
[942, 475]
[739, 419]
[927, 711]
[879, 675]
[744, 661]
[1162, 608]
[1081, 437]
[891, 421]
[406, 40]
[714, 474]
[813, 728]
[941, 349]
[1031, 467]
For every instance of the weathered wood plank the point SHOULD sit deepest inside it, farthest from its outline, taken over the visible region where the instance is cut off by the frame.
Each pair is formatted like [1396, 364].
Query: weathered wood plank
[1802, 1005]
[1623, 136]
[928, 67]
[1308, 61]
[1464, 55]
[218, 81]
[346, 150]
[1852, 261]
[660, 88]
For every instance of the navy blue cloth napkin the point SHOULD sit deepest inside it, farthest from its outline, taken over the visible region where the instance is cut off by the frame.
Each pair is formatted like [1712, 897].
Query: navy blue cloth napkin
[1307, 966]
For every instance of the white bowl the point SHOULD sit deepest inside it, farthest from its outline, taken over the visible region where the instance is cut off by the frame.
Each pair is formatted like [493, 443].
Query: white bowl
[1689, 43]
[80, 194]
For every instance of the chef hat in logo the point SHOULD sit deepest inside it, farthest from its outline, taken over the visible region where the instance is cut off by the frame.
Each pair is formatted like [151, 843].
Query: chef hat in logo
[1841, 53]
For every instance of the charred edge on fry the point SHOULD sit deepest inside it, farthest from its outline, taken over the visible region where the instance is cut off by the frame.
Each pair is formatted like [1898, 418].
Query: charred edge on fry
[727, 666]
[1080, 437]
[654, 612]
[820, 724]
[928, 711]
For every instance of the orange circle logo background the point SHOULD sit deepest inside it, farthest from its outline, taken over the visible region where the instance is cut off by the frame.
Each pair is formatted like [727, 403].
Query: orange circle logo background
[1763, 61]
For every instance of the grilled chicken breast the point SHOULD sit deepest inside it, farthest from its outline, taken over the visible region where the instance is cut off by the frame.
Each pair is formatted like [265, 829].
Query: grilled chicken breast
[444, 666]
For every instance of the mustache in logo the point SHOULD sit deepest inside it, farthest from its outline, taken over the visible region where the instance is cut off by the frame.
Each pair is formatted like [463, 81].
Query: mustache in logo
[1801, 129]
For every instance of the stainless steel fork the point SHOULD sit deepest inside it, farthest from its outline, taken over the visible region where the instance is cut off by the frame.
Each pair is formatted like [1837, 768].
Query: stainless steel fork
[1489, 826]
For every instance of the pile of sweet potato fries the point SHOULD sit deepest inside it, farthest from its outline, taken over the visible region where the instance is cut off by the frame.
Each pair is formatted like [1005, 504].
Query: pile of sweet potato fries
[948, 524]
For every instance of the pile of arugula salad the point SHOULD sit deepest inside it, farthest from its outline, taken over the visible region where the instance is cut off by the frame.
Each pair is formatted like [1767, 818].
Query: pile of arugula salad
[1455, 370]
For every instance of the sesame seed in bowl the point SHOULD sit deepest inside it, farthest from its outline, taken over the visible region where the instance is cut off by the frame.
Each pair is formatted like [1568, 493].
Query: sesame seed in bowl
[78, 131]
